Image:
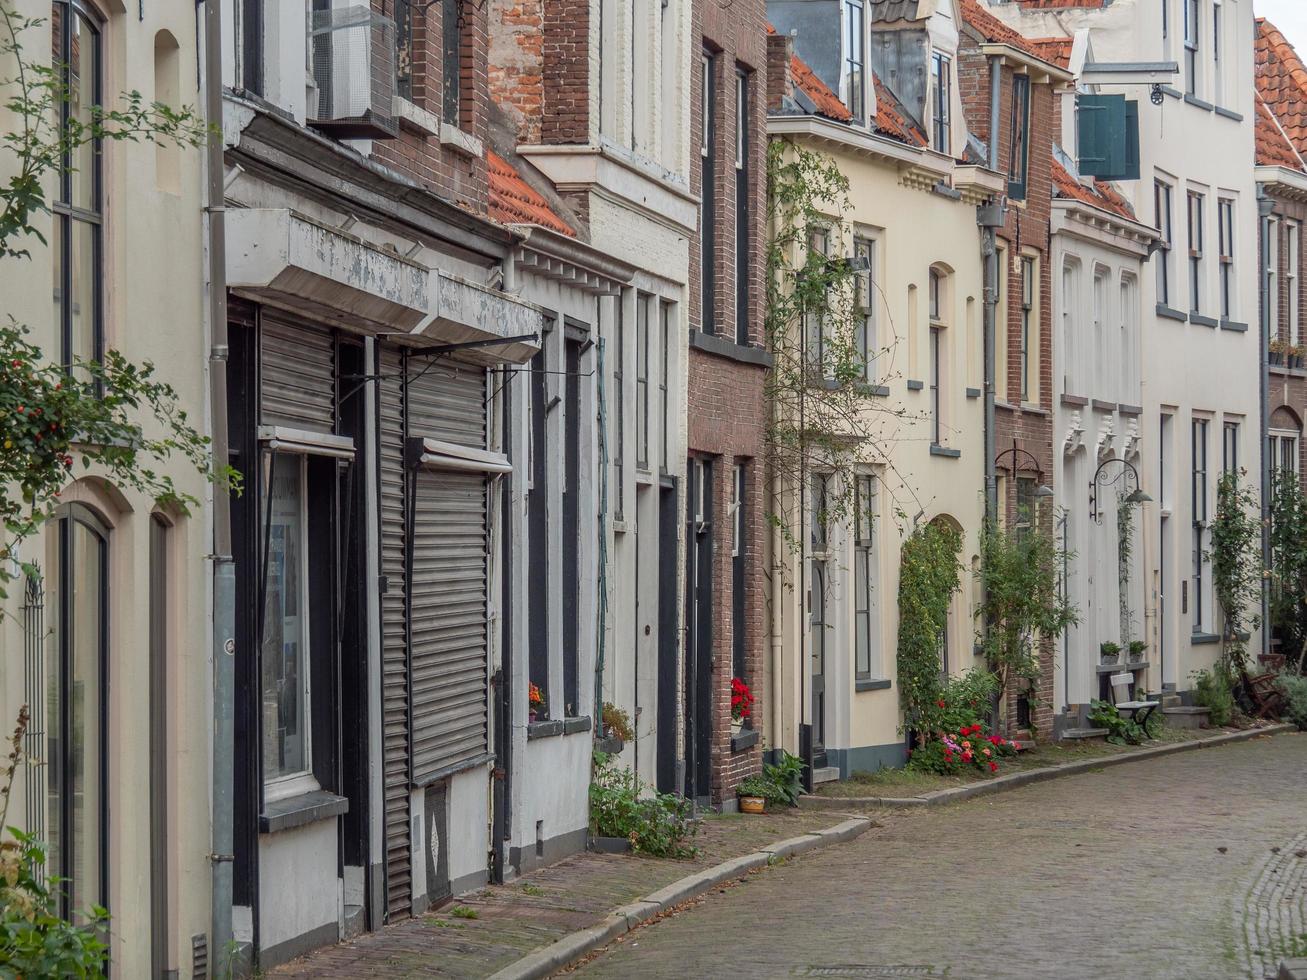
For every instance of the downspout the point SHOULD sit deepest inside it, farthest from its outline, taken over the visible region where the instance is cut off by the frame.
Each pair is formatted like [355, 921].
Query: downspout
[601, 626]
[1265, 206]
[777, 639]
[222, 856]
[990, 217]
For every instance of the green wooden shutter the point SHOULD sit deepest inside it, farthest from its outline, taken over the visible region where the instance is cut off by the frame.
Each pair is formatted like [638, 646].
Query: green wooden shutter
[1101, 131]
[1131, 171]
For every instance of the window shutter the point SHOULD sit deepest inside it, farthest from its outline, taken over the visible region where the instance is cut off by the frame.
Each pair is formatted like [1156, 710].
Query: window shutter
[1101, 132]
[1131, 169]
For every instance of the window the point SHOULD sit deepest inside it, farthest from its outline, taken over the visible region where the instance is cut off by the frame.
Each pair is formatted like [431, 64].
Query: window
[1199, 504]
[865, 299]
[1218, 77]
[1166, 19]
[642, 302]
[941, 104]
[1029, 329]
[1192, 65]
[619, 414]
[76, 749]
[76, 246]
[1026, 502]
[1225, 234]
[287, 749]
[1018, 166]
[1292, 256]
[1196, 203]
[820, 501]
[1272, 279]
[866, 660]
[160, 744]
[742, 209]
[404, 49]
[1282, 452]
[936, 408]
[1071, 367]
[451, 44]
[1230, 447]
[1129, 343]
[815, 323]
[664, 383]
[537, 521]
[855, 79]
[1001, 345]
[1162, 216]
[739, 557]
[1100, 319]
[707, 200]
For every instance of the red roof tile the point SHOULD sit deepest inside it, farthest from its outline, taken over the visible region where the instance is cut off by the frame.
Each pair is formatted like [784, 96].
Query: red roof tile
[514, 202]
[995, 31]
[1273, 147]
[1054, 50]
[1061, 4]
[893, 120]
[826, 101]
[1100, 195]
[1282, 83]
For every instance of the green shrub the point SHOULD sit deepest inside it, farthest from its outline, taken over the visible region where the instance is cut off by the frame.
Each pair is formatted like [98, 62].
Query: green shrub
[1122, 730]
[658, 824]
[1294, 687]
[757, 785]
[962, 702]
[1214, 689]
[787, 779]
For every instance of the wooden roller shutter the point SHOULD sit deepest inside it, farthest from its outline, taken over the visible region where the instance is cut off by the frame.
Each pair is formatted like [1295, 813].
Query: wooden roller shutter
[394, 636]
[297, 373]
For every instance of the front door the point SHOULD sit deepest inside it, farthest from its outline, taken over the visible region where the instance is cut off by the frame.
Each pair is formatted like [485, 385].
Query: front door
[698, 659]
[667, 646]
[819, 631]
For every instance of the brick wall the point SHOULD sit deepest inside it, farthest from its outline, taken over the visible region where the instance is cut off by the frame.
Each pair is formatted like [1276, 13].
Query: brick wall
[517, 45]
[1026, 232]
[1287, 388]
[727, 410]
[451, 173]
[566, 72]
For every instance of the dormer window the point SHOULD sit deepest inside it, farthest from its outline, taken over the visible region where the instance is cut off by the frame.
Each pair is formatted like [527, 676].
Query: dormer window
[941, 101]
[855, 75]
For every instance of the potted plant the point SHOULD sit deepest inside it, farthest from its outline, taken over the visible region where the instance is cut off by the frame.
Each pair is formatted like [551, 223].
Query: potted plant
[535, 703]
[1109, 652]
[615, 729]
[1275, 351]
[1295, 355]
[753, 794]
[741, 702]
[1136, 651]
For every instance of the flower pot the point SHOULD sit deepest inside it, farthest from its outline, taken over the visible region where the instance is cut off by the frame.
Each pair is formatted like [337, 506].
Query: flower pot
[610, 744]
[1275, 357]
[1110, 659]
[753, 804]
[531, 717]
[610, 845]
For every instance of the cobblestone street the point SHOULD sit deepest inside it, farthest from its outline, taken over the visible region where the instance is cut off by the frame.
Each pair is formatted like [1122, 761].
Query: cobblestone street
[1192, 866]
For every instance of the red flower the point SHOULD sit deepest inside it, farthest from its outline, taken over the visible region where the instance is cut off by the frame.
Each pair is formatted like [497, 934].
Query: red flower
[993, 767]
[940, 703]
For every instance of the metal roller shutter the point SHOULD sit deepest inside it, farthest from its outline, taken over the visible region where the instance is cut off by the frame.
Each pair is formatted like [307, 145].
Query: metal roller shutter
[448, 667]
[297, 373]
[394, 637]
[447, 401]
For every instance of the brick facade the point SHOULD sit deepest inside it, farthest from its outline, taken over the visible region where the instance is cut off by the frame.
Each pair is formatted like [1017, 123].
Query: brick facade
[1287, 389]
[727, 409]
[449, 171]
[1026, 424]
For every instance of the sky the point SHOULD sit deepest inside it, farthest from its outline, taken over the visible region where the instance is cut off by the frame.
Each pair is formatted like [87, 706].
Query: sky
[1290, 16]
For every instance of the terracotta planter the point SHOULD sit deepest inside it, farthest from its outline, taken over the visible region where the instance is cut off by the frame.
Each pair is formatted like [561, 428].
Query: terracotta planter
[753, 804]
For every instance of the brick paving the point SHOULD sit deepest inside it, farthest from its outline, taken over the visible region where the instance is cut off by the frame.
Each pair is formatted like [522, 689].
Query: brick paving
[1191, 866]
[539, 908]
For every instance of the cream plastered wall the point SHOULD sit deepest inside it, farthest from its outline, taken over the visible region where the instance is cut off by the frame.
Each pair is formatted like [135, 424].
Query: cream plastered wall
[914, 230]
[153, 276]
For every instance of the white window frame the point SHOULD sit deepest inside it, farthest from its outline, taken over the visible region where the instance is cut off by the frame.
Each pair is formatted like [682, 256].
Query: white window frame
[1293, 255]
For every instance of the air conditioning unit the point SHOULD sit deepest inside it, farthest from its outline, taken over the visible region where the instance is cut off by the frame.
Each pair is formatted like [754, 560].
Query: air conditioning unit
[352, 64]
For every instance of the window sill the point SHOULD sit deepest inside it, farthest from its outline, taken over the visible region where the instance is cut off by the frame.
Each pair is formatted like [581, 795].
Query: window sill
[1229, 114]
[1167, 313]
[711, 343]
[872, 684]
[943, 190]
[1234, 325]
[1202, 639]
[944, 451]
[453, 138]
[746, 739]
[413, 117]
[298, 811]
[915, 385]
[1102, 406]
[1204, 321]
[1198, 103]
[549, 727]
[1074, 401]
[1173, 92]
[1125, 409]
[872, 391]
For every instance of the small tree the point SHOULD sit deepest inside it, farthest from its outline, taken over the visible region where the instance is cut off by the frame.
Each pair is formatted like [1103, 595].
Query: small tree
[1288, 572]
[1235, 554]
[1022, 603]
[928, 577]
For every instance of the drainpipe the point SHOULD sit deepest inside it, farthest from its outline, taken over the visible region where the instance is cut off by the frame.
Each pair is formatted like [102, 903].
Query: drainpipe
[222, 856]
[1265, 206]
[990, 217]
[777, 639]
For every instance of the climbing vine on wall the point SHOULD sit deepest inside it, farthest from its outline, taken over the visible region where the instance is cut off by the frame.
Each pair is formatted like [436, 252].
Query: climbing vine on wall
[928, 578]
[1235, 554]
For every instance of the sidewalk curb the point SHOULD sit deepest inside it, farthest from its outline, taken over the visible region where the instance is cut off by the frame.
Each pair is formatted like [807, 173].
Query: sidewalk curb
[549, 959]
[1017, 779]
[1292, 969]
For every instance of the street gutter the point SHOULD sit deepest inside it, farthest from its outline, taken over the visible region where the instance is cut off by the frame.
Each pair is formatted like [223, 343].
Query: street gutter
[1014, 780]
[566, 951]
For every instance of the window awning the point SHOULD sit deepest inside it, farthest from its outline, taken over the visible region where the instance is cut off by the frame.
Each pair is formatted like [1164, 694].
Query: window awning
[305, 443]
[435, 454]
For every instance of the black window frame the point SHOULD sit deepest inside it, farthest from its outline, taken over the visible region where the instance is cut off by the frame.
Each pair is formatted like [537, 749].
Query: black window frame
[864, 577]
[1191, 45]
[1199, 502]
[664, 381]
[941, 102]
[740, 546]
[1225, 245]
[1197, 203]
[707, 194]
[864, 247]
[1163, 202]
[451, 54]
[1028, 274]
[537, 519]
[619, 411]
[1019, 164]
[743, 134]
[642, 301]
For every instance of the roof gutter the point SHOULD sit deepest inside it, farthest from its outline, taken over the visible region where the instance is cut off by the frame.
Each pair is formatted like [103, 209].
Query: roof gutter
[818, 127]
